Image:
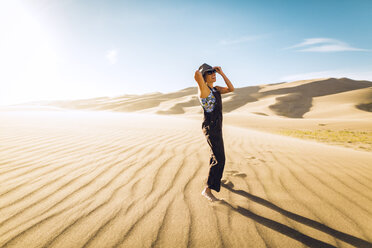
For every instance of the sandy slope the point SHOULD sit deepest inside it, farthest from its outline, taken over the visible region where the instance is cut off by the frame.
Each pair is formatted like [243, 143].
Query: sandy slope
[309, 99]
[96, 179]
[341, 105]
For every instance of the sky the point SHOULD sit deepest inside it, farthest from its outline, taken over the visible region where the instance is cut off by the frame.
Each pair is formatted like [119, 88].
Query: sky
[78, 49]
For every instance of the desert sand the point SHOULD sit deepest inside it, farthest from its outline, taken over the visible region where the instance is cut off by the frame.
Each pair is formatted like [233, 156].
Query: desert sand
[341, 106]
[88, 178]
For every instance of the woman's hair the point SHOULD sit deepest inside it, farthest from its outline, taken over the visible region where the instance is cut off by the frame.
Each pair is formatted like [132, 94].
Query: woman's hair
[205, 80]
[205, 77]
[204, 74]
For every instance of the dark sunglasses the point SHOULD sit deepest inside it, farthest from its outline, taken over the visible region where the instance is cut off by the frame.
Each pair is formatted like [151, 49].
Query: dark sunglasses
[210, 72]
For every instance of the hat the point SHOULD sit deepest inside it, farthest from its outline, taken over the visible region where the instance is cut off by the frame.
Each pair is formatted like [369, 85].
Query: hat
[204, 68]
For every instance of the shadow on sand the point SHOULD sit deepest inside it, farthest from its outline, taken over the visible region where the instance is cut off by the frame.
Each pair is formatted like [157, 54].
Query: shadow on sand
[290, 232]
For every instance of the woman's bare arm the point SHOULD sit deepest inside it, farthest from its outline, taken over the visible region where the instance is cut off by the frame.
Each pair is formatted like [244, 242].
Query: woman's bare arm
[229, 88]
[200, 80]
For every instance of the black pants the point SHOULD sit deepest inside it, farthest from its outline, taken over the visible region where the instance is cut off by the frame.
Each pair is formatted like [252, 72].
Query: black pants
[217, 159]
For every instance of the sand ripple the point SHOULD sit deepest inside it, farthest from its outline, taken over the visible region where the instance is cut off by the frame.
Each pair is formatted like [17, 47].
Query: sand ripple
[123, 180]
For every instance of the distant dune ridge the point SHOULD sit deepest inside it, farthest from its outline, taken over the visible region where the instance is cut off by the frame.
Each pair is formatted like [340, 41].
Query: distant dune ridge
[316, 98]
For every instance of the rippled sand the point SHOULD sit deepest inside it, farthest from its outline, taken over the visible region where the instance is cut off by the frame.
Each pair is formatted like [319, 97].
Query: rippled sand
[97, 179]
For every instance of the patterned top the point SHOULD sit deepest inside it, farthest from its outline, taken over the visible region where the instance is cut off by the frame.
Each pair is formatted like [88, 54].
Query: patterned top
[208, 102]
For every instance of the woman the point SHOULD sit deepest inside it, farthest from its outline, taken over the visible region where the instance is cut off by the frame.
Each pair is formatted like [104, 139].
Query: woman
[210, 100]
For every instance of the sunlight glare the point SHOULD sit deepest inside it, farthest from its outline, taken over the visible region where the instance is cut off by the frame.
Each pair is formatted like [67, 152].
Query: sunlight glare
[28, 61]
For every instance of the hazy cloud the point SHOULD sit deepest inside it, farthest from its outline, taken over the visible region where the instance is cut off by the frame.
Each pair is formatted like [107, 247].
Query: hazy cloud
[112, 56]
[324, 45]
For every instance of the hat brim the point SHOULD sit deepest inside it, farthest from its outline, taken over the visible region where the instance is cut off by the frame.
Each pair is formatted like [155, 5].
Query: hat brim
[214, 70]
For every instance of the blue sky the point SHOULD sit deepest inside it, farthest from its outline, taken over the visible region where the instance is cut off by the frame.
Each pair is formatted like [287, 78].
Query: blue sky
[80, 49]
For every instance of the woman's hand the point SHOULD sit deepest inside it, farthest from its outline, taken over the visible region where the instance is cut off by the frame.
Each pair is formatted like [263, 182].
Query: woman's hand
[230, 87]
[218, 69]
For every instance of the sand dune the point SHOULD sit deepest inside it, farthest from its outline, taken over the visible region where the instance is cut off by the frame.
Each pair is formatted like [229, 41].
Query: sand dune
[295, 99]
[342, 105]
[101, 179]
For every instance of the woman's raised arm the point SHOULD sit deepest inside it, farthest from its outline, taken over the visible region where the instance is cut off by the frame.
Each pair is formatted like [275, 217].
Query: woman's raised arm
[199, 79]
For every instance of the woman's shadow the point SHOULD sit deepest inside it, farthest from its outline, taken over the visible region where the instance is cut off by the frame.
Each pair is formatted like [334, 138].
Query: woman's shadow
[288, 231]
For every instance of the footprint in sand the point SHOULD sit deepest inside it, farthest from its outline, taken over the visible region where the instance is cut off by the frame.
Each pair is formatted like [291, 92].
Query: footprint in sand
[241, 174]
[260, 159]
[251, 157]
[235, 173]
